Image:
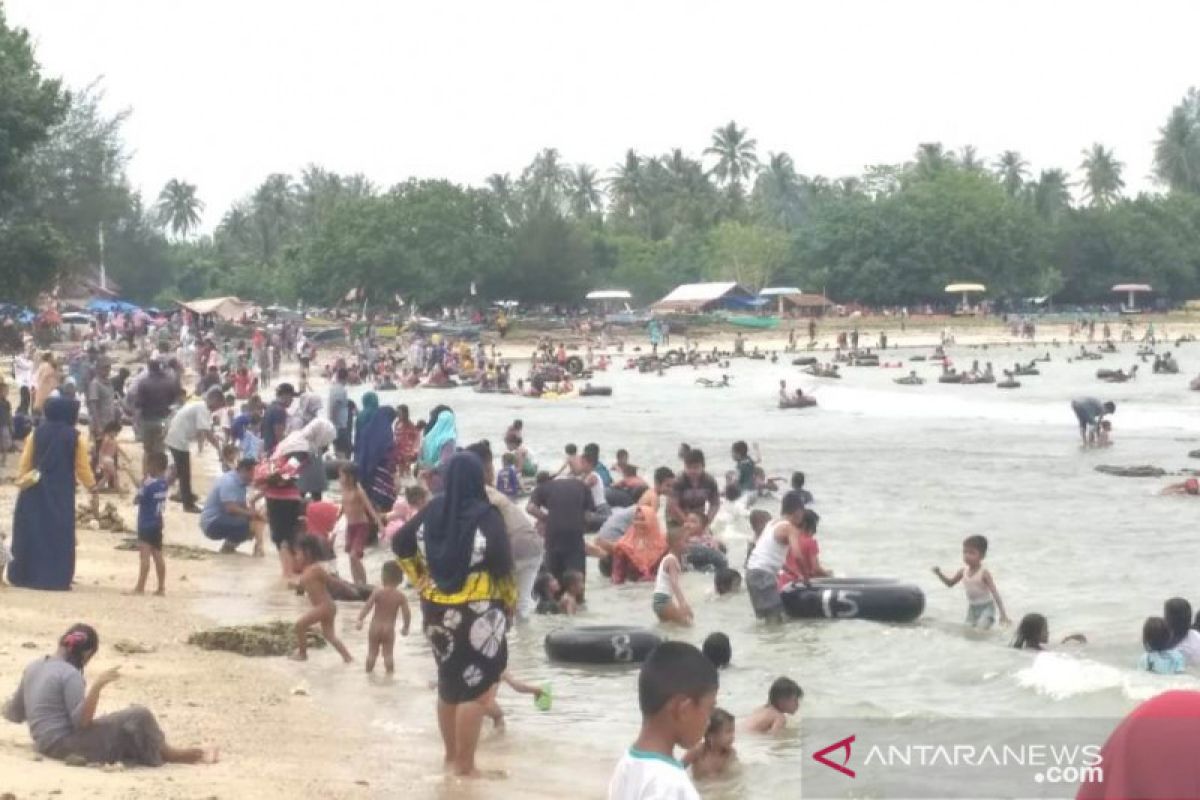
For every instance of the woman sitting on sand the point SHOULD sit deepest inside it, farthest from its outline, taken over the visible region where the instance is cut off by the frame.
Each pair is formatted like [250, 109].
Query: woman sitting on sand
[61, 711]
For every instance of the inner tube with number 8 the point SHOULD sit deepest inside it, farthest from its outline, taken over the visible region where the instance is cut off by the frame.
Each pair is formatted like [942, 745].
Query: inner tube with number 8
[879, 599]
[601, 644]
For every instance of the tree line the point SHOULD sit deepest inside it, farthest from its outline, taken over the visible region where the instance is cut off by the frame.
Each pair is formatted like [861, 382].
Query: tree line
[894, 235]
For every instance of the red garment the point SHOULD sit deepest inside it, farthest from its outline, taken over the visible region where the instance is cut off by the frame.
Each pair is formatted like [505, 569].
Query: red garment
[1152, 753]
[792, 570]
[408, 439]
[320, 517]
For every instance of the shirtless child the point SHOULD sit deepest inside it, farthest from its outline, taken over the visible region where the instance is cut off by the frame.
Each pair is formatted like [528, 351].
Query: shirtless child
[386, 601]
[783, 700]
[314, 581]
[359, 513]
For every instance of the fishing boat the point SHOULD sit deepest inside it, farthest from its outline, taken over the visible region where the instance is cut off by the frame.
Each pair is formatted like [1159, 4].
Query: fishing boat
[762, 323]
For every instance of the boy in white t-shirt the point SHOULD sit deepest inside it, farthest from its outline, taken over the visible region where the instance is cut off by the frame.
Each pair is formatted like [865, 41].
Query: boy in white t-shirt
[677, 691]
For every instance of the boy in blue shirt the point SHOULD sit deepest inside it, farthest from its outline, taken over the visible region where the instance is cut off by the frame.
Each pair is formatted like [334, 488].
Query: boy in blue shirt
[508, 483]
[151, 499]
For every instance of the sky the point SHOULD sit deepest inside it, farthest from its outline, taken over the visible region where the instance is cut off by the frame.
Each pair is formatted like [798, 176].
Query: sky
[224, 92]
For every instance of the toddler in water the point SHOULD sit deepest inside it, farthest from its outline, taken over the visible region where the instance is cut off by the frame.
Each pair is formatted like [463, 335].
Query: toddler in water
[1104, 434]
[718, 650]
[570, 599]
[315, 583]
[1033, 633]
[1159, 657]
[545, 592]
[783, 700]
[983, 599]
[668, 602]
[716, 754]
[727, 581]
[386, 601]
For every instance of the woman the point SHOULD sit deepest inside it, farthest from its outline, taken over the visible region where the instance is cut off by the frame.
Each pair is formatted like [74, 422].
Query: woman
[408, 441]
[279, 480]
[464, 568]
[308, 408]
[374, 459]
[62, 715]
[637, 553]
[312, 440]
[366, 412]
[43, 543]
[1178, 614]
[441, 436]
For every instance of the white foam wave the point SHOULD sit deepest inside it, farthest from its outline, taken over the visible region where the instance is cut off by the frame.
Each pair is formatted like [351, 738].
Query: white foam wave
[1061, 676]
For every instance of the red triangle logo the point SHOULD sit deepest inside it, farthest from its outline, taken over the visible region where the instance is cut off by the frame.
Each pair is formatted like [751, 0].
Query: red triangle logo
[844, 744]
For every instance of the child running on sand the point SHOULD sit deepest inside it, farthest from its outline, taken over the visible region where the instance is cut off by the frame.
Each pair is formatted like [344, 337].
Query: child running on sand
[314, 581]
[716, 754]
[783, 700]
[359, 513]
[677, 693]
[151, 499]
[983, 598]
[386, 601]
[668, 602]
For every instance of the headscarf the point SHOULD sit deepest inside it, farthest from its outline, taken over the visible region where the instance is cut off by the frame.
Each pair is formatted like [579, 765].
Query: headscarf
[375, 443]
[368, 408]
[451, 520]
[315, 436]
[308, 408]
[437, 435]
[433, 417]
[643, 544]
[61, 410]
[1151, 753]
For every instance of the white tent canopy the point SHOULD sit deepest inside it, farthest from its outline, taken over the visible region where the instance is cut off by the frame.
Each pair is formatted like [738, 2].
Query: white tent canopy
[965, 289]
[609, 294]
[775, 291]
[1132, 290]
[227, 308]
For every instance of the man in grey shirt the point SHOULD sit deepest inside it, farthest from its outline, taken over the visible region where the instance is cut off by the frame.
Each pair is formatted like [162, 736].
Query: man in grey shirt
[1089, 411]
[101, 400]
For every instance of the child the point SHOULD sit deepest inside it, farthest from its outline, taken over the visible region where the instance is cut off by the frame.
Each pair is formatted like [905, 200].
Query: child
[569, 466]
[798, 486]
[982, 596]
[229, 456]
[252, 443]
[668, 603]
[570, 599]
[313, 580]
[151, 499]
[744, 466]
[726, 581]
[386, 601]
[718, 650]
[622, 462]
[783, 700]
[1033, 633]
[227, 415]
[508, 482]
[677, 693]
[759, 520]
[406, 507]
[108, 454]
[1104, 434]
[1159, 657]
[320, 520]
[492, 708]
[359, 513]
[716, 754]
[546, 591]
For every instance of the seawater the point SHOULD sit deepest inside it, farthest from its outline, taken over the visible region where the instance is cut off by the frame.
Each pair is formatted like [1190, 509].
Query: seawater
[900, 475]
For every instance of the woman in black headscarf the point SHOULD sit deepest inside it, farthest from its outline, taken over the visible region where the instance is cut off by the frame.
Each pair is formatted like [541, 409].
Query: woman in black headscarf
[464, 571]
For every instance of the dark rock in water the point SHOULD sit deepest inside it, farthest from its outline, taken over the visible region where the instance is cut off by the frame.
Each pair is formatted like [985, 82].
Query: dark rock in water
[1194, 454]
[177, 551]
[270, 639]
[1137, 471]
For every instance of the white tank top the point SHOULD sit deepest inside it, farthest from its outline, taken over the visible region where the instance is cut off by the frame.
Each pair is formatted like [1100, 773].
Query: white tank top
[598, 496]
[769, 553]
[662, 583]
[977, 591]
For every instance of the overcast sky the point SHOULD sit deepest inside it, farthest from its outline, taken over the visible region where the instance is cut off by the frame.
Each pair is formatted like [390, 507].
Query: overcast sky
[224, 92]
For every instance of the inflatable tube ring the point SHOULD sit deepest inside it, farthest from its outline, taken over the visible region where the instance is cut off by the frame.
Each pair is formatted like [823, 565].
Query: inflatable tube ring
[878, 599]
[601, 644]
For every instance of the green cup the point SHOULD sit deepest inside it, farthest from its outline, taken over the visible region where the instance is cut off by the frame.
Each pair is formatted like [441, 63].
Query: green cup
[543, 701]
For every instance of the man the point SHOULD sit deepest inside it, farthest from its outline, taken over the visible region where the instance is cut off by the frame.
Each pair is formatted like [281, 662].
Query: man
[192, 423]
[101, 400]
[155, 393]
[780, 539]
[227, 516]
[274, 426]
[1090, 411]
[696, 492]
[339, 413]
[562, 504]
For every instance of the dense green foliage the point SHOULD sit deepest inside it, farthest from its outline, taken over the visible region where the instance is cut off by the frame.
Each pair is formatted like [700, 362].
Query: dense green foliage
[897, 234]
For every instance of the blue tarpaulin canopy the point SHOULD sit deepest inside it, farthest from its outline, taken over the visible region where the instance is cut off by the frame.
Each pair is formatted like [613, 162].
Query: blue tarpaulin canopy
[737, 301]
[109, 306]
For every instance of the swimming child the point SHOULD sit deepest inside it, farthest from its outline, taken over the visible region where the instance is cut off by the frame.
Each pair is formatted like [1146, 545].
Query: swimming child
[546, 591]
[727, 580]
[783, 700]
[668, 602]
[716, 754]
[677, 693]
[314, 581]
[508, 482]
[569, 465]
[718, 650]
[385, 601]
[1033, 633]
[798, 486]
[744, 466]
[983, 599]
[1159, 657]
[359, 513]
[570, 598]
[151, 499]
[1189, 486]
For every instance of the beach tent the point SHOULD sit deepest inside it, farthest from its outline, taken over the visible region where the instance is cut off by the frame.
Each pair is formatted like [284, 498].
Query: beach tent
[610, 300]
[965, 289]
[227, 308]
[808, 305]
[692, 298]
[1133, 290]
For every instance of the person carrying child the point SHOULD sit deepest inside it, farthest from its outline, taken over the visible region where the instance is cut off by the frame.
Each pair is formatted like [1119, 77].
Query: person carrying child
[314, 581]
[983, 598]
[386, 601]
[766, 560]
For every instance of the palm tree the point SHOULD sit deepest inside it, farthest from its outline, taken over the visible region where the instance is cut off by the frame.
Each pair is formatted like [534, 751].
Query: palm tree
[1177, 151]
[1012, 171]
[625, 184]
[273, 207]
[735, 154]
[932, 158]
[777, 189]
[1102, 183]
[547, 179]
[969, 160]
[584, 193]
[1052, 193]
[178, 207]
[501, 186]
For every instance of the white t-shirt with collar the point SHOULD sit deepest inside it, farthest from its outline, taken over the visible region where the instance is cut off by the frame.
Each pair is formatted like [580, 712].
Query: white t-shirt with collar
[642, 775]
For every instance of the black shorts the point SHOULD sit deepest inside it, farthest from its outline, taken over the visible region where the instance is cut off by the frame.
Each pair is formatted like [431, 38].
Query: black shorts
[563, 560]
[283, 518]
[152, 537]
